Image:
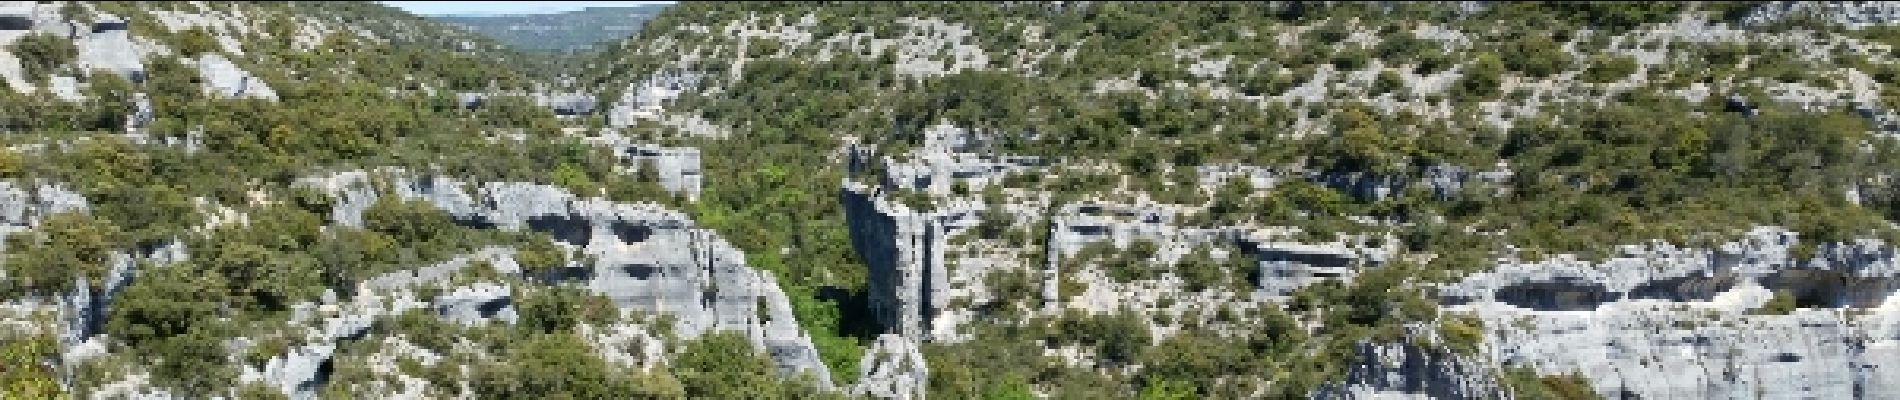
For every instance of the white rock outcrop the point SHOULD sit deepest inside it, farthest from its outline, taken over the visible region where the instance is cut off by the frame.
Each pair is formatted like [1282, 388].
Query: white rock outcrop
[224, 78]
[893, 368]
[644, 257]
[1665, 322]
[1414, 368]
[677, 168]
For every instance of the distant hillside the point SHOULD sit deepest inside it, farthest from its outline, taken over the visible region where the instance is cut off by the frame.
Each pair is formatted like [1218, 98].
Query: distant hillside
[558, 32]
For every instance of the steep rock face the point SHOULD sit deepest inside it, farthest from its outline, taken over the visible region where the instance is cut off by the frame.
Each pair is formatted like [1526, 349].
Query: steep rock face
[911, 283]
[80, 312]
[645, 257]
[893, 368]
[904, 247]
[1667, 322]
[903, 251]
[1413, 368]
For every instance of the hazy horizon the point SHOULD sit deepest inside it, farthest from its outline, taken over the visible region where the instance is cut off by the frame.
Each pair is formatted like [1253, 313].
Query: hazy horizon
[469, 8]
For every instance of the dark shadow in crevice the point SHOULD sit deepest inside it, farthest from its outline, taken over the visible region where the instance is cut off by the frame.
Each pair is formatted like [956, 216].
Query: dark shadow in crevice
[1831, 289]
[1687, 288]
[1556, 296]
[573, 231]
[631, 233]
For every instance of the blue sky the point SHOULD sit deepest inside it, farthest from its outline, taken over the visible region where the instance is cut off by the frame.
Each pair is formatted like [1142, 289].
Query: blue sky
[506, 7]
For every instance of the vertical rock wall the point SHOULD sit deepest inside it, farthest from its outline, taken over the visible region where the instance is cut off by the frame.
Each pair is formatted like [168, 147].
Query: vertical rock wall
[645, 257]
[904, 253]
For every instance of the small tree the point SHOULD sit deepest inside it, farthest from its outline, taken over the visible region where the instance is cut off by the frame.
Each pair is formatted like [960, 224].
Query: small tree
[1387, 82]
[1535, 56]
[646, 171]
[1199, 270]
[538, 255]
[41, 53]
[195, 41]
[1606, 69]
[66, 246]
[1781, 304]
[1482, 80]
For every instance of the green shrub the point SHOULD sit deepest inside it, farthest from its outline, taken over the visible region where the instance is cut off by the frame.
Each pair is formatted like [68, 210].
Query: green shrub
[1482, 80]
[1461, 333]
[1782, 303]
[1535, 56]
[197, 41]
[42, 53]
[1607, 68]
[1525, 383]
[65, 247]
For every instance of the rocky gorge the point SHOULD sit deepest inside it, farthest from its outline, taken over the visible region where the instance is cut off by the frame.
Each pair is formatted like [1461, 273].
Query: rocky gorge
[988, 200]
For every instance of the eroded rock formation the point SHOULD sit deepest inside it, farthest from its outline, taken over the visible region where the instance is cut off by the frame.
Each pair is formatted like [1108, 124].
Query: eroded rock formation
[1666, 322]
[645, 257]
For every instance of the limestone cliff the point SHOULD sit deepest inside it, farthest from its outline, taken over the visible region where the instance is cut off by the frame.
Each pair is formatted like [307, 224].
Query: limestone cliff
[644, 257]
[1665, 322]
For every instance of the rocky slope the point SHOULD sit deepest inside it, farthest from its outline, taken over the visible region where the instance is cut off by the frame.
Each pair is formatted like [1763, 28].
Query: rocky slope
[969, 169]
[956, 200]
[315, 313]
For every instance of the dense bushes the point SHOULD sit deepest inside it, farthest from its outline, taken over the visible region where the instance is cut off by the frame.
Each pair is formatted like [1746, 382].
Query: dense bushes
[1117, 337]
[557, 365]
[41, 54]
[1535, 56]
[65, 247]
[1527, 384]
[560, 308]
[1606, 69]
[1201, 271]
[725, 366]
[1623, 172]
[170, 318]
[197, 41]
[1482, 79]
[27, 373]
